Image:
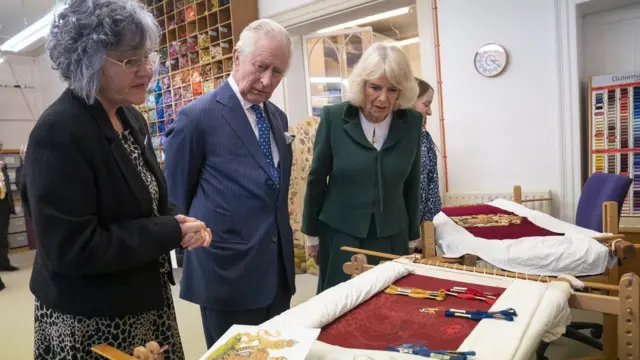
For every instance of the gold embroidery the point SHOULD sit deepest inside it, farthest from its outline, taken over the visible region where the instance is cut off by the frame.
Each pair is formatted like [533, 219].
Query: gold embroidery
[487, 220]
[431, 311]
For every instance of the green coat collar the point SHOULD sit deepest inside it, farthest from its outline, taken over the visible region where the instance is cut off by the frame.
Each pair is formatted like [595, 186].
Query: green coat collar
[353, 127]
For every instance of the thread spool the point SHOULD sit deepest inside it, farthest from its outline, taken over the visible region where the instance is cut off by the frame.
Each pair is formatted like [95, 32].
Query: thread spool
[141, 353]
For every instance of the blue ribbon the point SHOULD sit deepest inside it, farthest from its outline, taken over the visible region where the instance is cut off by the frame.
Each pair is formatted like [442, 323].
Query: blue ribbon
[422, 350]
[508, 314]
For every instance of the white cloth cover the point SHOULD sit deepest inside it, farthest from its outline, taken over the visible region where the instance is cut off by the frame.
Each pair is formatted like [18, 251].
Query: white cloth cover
[543, 313]
[575, 253]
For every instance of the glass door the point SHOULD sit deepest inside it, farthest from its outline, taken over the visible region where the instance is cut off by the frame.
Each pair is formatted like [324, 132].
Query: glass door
[329, 59]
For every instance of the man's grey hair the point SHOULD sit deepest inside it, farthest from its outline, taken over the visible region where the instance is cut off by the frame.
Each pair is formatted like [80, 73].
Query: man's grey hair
[257, 30]
[82, 34]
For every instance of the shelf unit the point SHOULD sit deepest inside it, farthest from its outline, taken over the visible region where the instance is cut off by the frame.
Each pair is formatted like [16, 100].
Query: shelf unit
[614, 134]
[196, 44]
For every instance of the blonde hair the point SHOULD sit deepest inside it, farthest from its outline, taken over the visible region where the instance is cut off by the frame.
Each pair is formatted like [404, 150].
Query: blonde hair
[388, 60]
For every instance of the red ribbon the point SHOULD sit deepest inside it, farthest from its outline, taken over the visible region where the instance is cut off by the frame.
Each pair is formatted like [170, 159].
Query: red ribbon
[472, 294]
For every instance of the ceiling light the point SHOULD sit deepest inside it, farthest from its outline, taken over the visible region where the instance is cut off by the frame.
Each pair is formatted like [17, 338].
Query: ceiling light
[33, 33]
[367, 19]
[407, 41]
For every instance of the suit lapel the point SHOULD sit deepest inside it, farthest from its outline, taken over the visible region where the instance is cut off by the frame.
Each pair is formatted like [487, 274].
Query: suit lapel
[127, 168]
[236, 117]
[353, 127]
[396, 129]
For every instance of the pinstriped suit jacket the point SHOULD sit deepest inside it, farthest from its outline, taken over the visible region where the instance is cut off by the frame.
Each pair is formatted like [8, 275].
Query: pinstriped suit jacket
[217, 173]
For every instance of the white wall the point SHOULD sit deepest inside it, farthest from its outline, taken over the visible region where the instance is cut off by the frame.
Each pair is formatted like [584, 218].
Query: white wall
[16, 119]
[295, 84]
[501, 131]
[610, 41]
[51, 86]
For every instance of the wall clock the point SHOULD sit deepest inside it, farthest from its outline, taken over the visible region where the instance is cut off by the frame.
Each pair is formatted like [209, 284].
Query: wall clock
[490, 60]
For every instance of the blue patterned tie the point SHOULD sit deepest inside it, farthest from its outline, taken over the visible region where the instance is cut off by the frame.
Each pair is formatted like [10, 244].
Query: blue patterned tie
[264, 131]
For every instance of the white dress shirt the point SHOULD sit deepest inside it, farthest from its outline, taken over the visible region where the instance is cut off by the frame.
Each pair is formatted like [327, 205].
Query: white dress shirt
[253, 120]
[381, 132]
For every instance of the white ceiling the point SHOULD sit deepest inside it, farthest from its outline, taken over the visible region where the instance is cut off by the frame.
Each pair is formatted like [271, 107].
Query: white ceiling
[13, 14]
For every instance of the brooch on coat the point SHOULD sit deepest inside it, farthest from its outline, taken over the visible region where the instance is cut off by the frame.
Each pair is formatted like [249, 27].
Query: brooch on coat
[289, 137]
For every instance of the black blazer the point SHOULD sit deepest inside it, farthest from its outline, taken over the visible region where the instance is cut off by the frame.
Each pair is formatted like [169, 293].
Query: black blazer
[98, 242]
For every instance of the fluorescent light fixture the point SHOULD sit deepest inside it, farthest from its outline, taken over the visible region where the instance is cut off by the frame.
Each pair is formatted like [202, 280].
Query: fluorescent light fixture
[407, 41]
[367, 19]
[33, 33]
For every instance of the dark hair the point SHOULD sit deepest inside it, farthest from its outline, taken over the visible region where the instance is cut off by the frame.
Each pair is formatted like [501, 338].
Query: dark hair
[423, 87]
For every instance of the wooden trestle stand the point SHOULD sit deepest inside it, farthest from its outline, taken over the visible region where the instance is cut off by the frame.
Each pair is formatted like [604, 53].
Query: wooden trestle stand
[625, 305]
[623, 249]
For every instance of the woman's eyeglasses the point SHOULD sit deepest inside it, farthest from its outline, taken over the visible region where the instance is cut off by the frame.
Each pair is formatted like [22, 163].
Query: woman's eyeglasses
[133, 64]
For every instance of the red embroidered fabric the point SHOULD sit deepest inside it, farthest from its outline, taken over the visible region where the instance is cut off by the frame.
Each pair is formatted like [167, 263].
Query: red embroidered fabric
[510, 232]
[391, 320]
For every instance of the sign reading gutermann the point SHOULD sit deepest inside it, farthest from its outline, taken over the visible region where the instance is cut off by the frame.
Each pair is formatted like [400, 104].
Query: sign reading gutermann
[616, 79]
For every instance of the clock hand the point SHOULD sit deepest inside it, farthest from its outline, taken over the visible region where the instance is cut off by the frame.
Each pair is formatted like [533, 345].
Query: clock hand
[495, 62]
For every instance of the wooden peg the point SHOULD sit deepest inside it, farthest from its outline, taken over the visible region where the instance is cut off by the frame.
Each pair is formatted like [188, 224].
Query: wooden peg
[517, 194]
[357, 266]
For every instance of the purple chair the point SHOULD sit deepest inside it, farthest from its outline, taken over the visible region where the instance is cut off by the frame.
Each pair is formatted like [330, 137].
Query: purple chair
[600, 187]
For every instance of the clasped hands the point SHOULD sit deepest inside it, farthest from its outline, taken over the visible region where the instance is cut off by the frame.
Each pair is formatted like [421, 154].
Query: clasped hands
[194, 232]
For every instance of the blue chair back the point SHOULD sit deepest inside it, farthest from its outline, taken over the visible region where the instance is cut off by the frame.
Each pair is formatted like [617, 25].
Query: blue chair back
[600, 187]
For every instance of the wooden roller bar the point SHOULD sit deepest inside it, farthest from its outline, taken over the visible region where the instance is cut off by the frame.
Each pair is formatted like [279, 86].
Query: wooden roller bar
[448, 264]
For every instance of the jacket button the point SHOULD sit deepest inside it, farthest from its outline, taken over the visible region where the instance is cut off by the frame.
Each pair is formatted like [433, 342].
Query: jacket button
[271, 184]
[274, 239]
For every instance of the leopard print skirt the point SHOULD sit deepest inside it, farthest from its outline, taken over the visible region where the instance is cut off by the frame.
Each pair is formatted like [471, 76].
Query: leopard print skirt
[59, 336]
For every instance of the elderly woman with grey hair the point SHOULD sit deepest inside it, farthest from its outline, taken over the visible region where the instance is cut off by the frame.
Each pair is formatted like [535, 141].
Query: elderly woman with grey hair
[363, 187]
[97, 195]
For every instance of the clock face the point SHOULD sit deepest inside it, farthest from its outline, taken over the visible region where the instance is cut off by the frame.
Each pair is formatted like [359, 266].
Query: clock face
[490, 60]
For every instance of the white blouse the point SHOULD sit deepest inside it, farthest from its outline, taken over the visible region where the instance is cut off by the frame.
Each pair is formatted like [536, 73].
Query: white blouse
[376, 133]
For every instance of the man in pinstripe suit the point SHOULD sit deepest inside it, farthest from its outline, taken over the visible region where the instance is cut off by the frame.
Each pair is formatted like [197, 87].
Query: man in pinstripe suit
[227, 163]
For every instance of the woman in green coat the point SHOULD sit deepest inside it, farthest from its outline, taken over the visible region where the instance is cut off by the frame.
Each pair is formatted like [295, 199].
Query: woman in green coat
[363, 187]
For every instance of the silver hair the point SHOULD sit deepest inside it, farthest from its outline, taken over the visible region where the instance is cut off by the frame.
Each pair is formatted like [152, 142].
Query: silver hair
[82, 33]
[257, 30]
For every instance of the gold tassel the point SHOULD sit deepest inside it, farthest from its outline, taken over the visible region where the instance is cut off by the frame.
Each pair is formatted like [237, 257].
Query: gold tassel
[438, 295]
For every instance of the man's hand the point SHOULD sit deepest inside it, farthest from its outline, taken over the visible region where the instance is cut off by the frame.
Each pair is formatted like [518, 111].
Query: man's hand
[312, 251]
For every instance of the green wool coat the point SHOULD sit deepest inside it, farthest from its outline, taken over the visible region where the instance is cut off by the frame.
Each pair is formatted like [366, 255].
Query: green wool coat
[368, 198]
